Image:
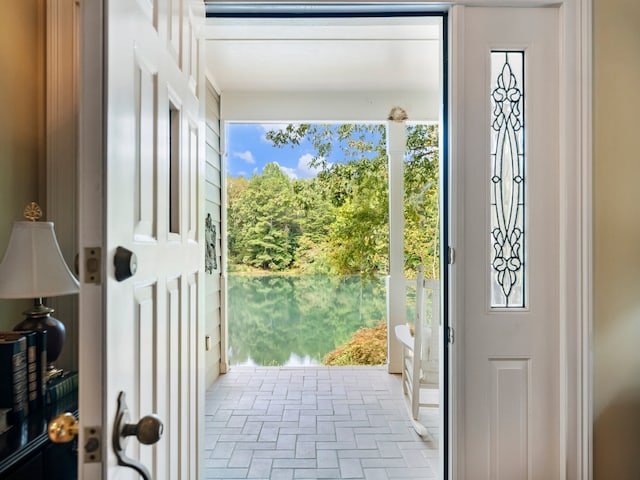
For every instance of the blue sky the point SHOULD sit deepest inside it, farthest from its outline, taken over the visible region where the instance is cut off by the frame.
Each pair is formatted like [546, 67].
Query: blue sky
[249, 151]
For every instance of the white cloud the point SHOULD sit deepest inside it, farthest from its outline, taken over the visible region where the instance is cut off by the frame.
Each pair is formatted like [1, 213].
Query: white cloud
[301, 170]
[247, 156]
[305, 169]
[289, 172]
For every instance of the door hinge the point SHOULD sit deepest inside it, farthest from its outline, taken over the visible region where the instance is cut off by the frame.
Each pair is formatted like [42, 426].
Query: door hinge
[451, 254]
[451, 336]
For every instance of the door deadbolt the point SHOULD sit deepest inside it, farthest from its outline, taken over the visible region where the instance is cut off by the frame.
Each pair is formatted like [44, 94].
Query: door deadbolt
[125, 263]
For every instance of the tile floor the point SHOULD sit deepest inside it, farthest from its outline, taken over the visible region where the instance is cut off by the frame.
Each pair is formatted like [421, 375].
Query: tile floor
[314, 422]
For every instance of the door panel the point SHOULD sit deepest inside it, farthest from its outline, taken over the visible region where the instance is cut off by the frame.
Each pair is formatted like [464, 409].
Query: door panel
[146, 81]
[510, 248]
[153, 156]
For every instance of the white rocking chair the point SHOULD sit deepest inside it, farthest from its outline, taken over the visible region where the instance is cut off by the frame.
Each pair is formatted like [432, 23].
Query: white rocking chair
[420, 357]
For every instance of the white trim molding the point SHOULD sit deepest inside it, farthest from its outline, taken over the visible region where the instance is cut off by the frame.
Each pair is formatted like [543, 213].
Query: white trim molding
[90, 223]
[456, 417]
[576, 219]
[576, 239]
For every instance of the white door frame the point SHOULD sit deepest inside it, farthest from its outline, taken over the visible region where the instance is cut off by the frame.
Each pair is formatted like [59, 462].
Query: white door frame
[91, 332]
[575, 236]
[575, 218]
[575, 206]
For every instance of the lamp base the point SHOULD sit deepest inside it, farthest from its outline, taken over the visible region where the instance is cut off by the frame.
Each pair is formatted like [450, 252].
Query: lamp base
[39, 318]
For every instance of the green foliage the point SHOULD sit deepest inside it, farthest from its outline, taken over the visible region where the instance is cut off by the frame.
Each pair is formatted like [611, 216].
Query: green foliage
[317, 214]
[421, 204]
[338, 221]
[263, 223]
[367, 346]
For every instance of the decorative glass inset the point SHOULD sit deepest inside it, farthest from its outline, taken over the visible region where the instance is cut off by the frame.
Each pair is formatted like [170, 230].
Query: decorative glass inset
[507, 180]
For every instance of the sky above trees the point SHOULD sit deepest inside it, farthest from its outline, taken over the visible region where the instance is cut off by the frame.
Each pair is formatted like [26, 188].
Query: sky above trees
[249, 151]
[337, 220]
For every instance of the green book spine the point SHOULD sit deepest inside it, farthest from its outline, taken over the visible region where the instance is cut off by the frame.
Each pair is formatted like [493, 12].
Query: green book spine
[59, 387]
[13, 376]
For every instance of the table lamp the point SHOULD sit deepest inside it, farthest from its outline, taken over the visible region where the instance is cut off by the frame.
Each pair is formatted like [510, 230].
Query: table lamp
[33, 267]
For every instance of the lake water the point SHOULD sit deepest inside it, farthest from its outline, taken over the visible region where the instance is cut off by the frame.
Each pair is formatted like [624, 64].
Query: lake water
[297, 320]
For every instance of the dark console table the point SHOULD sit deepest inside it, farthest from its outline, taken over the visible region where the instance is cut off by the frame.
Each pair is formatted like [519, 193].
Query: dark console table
[27, 453]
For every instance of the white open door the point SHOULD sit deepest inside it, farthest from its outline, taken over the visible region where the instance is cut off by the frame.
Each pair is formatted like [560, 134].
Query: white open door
[141, 158]
[507, 125]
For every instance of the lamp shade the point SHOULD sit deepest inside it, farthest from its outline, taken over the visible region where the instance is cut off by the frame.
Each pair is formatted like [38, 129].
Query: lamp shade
[33, 266]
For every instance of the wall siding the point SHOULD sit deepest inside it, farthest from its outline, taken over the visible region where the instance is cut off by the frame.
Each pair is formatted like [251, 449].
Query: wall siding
[213, 205]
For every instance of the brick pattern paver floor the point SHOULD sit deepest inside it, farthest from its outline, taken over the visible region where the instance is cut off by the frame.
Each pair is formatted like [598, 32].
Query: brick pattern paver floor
[313, 422]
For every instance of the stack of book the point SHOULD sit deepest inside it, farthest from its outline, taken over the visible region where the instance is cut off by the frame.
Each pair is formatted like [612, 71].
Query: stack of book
[62, 386]
[36, 366]
[13, 376]
[23, 363]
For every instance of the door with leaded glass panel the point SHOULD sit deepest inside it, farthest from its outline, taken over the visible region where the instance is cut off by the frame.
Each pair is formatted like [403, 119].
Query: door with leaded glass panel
[509, 254]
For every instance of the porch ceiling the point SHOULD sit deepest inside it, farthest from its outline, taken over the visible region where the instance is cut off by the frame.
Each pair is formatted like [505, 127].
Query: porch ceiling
[397, 54]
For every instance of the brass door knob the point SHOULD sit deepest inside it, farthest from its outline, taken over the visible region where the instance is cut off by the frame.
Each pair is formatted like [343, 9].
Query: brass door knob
[63, 428]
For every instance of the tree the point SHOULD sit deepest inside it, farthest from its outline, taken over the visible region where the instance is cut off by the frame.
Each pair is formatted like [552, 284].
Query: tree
[317, 214]
[235, 187]
[265, 226]
[422, 197]
[338, 221]
[358, 240]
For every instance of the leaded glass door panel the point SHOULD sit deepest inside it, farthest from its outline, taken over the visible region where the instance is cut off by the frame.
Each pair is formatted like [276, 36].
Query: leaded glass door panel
[509, 257]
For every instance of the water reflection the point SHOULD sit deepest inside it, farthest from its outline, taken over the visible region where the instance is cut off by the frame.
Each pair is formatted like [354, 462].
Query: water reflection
[297, 320]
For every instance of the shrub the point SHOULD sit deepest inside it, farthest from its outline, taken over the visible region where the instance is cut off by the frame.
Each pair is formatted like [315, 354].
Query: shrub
[367, 346]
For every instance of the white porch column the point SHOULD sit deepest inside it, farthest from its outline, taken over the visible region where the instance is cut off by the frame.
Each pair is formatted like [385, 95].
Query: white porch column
[396, 290]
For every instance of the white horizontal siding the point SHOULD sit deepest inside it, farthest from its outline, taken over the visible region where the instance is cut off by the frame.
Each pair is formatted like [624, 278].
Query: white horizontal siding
[213, 204]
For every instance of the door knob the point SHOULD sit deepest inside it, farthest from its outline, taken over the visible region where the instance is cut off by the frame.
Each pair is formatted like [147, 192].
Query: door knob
[63, 428]
[148, 431]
